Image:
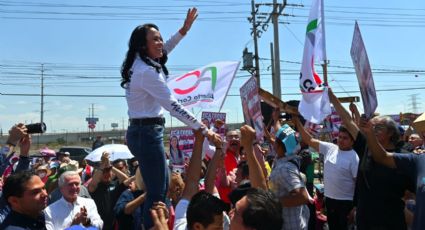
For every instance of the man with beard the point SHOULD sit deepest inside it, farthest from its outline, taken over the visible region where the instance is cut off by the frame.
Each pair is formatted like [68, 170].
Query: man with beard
[227, 173]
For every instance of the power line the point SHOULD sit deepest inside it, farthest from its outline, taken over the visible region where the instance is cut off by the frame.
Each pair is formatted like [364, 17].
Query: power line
[231, 95]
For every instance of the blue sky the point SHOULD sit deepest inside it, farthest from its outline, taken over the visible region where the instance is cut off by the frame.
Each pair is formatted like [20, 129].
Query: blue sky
[82, 45]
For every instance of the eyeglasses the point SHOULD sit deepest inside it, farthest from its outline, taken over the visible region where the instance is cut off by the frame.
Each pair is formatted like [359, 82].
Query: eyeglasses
[379, 127]
[232, 137]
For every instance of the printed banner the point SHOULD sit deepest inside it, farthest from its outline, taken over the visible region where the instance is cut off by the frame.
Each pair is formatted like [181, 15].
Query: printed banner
[209, 119]
[182, 140]
[364, 73]
[206, 87]
[252, 107]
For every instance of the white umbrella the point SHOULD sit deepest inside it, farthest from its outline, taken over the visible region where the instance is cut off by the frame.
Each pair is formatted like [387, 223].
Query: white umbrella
[116, 151]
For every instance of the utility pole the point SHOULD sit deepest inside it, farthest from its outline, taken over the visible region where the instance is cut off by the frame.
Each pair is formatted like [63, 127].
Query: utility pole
[255, 34]
[276, 80]
[274, 18]
[272, 65]
[42, 95]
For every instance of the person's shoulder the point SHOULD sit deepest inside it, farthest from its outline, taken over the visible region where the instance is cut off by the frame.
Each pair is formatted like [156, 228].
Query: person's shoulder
[129, 194]
[50, 209]
[289, 166]
[327, 145]
[141, 68]
[84, 199]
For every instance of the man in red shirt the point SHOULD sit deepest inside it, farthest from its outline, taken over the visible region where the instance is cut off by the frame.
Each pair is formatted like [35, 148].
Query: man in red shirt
[227, 173]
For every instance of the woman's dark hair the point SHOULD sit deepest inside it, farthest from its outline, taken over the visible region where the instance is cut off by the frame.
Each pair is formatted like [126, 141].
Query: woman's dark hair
[179, 151]
[137, 45]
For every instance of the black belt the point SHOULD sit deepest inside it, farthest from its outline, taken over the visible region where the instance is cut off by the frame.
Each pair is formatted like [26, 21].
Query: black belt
[147, 121]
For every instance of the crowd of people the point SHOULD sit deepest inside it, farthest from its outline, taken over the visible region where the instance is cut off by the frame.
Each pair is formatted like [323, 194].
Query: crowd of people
[373, 176]
[370, 181]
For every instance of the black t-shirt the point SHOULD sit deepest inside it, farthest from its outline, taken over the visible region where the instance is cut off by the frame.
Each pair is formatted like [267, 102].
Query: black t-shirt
[105, 197]
[15, 219]
[379, 192]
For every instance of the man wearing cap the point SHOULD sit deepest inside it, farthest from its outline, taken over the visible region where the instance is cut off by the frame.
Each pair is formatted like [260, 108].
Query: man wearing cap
[340, 173]
[63, 157]
[286, 181]
[43, 172]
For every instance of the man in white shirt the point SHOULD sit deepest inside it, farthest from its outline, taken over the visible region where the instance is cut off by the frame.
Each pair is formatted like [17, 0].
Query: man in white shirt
[71, 209]
[340, 172]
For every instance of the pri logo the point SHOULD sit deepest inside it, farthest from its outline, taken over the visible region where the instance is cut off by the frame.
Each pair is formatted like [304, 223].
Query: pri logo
[201, 77]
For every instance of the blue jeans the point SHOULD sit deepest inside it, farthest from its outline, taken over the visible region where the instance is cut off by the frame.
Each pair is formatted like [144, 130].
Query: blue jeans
[146, 144]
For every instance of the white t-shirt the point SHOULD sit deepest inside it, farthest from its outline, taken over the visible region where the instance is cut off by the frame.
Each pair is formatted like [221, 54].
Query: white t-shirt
[340, 171]
[180, 222]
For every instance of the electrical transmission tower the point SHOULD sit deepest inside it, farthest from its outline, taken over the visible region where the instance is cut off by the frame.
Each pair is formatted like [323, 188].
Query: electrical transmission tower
[414, 103]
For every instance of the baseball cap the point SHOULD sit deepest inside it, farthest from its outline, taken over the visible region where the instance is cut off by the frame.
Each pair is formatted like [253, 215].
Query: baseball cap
[287, 135]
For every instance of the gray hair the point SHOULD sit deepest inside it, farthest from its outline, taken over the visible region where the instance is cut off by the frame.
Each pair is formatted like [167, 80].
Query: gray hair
[61, 181]
[391, 126]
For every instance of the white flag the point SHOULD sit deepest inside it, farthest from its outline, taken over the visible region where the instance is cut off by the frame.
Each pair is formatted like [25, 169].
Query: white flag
[314, 105]
[205, 87]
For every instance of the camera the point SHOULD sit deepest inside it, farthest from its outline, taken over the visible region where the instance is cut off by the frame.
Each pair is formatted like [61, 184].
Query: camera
[36, 128]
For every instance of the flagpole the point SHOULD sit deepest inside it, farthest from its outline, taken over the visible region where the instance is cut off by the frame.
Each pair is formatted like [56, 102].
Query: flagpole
[325, 71]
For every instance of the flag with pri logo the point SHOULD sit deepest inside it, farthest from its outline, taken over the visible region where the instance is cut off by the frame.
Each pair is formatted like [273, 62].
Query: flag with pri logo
[314, 105]
[206, 87]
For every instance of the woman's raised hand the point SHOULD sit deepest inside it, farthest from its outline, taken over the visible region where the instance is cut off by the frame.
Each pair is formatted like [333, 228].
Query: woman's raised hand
[191, 16]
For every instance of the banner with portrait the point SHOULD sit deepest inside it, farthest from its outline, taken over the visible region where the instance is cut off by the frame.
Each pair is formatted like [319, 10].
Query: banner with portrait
[251, 106]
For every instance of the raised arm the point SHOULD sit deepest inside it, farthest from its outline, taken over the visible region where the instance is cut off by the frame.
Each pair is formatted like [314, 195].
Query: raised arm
[355, 114]
[378, 152]
[191, 16]
[104, 163]
[194, 169]
[212, 167]
[305, 136]
[276, 120]
[256, 175]
[344, 114]
[122, 177]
